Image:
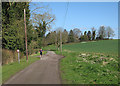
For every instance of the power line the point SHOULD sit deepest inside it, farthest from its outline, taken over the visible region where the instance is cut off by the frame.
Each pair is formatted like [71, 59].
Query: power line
[63, 27]
[66, 14]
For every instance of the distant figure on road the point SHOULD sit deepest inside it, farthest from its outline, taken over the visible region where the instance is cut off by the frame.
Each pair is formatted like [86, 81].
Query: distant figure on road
[40, 52]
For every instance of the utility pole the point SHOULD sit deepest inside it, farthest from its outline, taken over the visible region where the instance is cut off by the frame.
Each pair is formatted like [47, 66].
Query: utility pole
[25, 35]
[61, 41]
[56, 41]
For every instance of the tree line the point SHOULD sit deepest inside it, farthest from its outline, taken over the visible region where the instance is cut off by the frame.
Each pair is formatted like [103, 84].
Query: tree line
[76, 35]
[13, 25]
[13, 28]
[40, 22]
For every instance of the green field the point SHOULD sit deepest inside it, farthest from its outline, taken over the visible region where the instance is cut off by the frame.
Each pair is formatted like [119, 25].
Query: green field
[89, 63]
[108, 47]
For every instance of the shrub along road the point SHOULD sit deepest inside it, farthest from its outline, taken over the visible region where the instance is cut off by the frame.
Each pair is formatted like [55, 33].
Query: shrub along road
[44, 71]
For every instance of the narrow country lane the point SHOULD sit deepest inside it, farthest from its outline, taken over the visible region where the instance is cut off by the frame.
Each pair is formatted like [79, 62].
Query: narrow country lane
[44, 71]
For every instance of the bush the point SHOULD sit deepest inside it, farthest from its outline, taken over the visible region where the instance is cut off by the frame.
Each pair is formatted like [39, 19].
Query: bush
[31, 47]
[36, 51]
[106, 38]
[9, 56]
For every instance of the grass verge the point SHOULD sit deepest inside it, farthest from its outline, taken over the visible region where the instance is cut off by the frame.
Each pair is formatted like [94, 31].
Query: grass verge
[12, 68]
[88, 68]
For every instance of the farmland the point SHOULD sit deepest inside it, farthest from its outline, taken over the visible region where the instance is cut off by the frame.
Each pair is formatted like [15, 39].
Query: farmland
[89, 62]
[109, 47]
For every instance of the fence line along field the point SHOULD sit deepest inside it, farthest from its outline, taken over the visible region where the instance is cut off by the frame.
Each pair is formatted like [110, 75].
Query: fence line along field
[94, 62]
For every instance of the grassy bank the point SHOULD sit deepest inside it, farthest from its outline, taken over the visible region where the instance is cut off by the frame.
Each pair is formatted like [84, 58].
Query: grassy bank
[82, 68]
[12, 68]
[89, 62]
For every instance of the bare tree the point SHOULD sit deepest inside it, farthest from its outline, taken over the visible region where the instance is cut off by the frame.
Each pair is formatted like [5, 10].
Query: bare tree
[101, 32]
[109, 32]
[77, 34]
[42, 21]
[46, 19]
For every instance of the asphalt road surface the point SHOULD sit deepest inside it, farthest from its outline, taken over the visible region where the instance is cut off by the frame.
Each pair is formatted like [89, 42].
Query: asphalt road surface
[44, 71]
